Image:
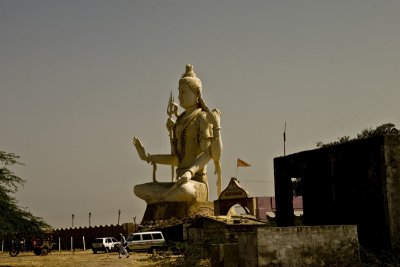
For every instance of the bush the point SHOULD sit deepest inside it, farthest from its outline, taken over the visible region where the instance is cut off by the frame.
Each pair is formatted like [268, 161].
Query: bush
[189, 254]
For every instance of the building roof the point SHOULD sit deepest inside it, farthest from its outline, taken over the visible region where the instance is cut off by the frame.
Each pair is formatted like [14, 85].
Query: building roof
[234, 220]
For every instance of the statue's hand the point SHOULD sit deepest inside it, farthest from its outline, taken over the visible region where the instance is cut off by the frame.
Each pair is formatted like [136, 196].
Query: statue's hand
[184, 178]
[215, 118]
[140, 149]
[170, 124]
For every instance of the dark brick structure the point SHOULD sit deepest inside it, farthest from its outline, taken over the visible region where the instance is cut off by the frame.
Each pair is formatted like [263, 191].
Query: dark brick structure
[352, 183]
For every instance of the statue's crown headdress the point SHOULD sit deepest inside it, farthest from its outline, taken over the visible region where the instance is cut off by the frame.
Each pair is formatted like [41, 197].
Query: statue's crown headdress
[191, 79]
[189, 72]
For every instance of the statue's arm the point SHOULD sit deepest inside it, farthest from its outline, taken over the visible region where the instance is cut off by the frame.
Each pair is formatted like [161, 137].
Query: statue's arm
[199, 163]
[216, 147]
[167, 159]
[158, 159]
[201, 160]
[214, 118]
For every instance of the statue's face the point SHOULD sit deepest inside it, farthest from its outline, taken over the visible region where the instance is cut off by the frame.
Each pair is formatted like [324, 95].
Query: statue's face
[186, 97]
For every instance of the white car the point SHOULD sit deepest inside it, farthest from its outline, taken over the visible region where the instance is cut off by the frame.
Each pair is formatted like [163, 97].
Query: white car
[105, 244]
[145, 241]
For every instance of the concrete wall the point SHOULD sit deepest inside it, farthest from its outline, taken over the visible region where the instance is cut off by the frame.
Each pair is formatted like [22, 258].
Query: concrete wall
[208, 230]
[224, 255]
[300, 246]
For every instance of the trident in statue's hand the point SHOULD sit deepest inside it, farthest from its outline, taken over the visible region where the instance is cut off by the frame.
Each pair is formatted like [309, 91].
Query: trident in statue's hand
[172, 109]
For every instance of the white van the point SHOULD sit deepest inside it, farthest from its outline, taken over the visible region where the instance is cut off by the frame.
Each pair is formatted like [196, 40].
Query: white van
[145, 241]
[105, 244]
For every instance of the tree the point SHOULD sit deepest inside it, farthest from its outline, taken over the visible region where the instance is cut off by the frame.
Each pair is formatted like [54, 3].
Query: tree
[15, 220]
[386, 128]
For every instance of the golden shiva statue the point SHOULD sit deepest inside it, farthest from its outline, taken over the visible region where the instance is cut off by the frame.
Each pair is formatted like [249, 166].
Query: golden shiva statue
[195, 139]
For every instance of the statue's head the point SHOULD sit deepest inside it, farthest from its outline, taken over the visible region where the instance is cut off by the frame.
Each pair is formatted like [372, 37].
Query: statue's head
[189, 78]
[189, 88]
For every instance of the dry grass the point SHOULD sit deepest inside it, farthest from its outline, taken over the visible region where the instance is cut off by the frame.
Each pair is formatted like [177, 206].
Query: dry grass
[78, 258]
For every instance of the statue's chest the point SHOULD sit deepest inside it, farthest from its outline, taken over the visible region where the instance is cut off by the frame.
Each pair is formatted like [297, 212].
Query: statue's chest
[187, 138]
[192, 131]
[188, 134]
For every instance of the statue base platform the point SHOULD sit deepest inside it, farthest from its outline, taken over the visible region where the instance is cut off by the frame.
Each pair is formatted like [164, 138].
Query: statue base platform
[179, 210]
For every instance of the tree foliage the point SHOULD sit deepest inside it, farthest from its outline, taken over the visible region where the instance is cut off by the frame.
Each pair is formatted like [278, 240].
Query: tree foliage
[15, 220]
[386, 128]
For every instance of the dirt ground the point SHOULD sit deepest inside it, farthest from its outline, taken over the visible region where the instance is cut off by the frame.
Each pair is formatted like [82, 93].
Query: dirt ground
[78, 258]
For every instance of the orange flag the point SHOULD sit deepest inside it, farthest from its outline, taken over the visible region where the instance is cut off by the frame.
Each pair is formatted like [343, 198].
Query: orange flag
[241, 163]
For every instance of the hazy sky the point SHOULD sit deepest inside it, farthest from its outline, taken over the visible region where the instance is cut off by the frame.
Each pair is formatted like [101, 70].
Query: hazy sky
[79, 79]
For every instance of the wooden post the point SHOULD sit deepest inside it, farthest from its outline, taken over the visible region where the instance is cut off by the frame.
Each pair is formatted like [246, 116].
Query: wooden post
[119, 215]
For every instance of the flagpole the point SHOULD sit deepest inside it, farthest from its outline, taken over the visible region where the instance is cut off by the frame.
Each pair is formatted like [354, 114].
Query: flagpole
[284, 140]
[237, 167]
[236, 170]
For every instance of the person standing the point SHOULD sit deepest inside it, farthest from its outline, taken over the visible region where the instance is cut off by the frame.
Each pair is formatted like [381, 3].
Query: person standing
[122, 250]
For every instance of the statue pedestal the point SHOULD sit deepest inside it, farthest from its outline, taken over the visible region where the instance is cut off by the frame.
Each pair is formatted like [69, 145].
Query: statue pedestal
[168, 210]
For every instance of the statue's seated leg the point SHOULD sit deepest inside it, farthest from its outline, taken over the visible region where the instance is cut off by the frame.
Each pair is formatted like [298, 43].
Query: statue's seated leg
[189, 192]
[167, 200]
[151, 192]
[156, 192]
